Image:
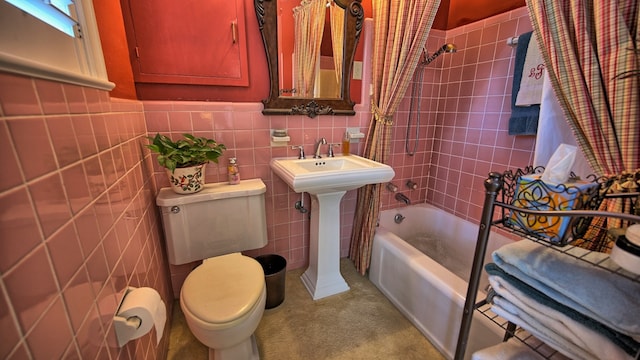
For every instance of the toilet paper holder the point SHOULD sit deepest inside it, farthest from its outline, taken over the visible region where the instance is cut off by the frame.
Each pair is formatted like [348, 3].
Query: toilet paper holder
[130, 327]
[125, 327]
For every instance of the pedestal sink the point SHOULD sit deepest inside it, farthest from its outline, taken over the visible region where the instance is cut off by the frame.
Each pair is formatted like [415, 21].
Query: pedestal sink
[327, 180]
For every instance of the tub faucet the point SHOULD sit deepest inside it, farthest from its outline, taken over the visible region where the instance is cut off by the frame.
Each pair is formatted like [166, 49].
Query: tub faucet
[401, 197]
[319, 144]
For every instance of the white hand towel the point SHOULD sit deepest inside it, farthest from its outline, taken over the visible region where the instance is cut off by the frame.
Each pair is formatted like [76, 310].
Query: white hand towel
[532, 81]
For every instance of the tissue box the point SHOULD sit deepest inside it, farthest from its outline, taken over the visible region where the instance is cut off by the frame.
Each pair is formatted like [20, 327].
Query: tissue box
[535, 194]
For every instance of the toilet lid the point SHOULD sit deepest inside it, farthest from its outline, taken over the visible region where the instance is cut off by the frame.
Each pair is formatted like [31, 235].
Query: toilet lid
[223, 288]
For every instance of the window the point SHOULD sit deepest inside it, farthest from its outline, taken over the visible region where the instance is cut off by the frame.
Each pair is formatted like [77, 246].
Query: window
[52, 39]
[57, 13]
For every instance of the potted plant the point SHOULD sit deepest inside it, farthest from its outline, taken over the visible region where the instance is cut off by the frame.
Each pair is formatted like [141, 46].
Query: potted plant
[185, 159]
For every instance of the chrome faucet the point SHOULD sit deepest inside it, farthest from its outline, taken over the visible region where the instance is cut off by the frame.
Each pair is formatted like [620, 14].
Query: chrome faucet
[301, 148]
[401, 197]
[330, 153]
[319, 144]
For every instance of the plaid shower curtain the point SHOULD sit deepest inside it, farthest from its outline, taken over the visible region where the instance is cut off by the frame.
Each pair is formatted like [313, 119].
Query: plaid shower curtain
[400, 31]
[337, 39]
[309, 28]
[591, 48]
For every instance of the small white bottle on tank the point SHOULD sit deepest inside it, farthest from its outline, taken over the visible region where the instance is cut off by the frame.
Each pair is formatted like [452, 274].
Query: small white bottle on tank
[234, 171]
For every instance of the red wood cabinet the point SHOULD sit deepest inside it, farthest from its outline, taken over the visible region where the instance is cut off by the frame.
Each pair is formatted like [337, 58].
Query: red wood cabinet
[197, 42]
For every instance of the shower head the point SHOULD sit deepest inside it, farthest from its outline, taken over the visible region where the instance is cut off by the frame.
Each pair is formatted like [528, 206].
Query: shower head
[449, 48]
[446, 48]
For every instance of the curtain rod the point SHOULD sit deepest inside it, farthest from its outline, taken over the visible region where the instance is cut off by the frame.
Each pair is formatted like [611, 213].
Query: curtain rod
[512, 41]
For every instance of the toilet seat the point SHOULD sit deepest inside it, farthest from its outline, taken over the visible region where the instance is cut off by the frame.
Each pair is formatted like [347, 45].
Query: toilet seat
[223, 289]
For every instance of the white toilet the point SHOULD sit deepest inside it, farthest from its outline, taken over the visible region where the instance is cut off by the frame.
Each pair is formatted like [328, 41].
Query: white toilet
[224, 298]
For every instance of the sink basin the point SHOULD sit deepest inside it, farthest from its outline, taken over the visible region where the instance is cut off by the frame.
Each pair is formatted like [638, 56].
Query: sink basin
[327, 180]
[330, 174]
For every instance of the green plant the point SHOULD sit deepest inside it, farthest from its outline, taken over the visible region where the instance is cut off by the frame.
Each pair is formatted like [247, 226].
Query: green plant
[186, 152]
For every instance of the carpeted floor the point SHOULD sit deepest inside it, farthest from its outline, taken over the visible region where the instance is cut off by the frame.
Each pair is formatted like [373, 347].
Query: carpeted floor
[358, 324]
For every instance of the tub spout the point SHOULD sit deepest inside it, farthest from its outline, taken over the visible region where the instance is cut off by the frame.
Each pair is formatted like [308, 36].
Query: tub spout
[401, 197]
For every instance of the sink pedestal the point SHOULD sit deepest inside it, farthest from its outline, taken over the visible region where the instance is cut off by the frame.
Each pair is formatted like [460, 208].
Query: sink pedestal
[323, 277]
[327, 180]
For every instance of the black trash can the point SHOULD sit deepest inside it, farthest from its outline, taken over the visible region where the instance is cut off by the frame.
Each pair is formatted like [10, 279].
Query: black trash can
[274, 267]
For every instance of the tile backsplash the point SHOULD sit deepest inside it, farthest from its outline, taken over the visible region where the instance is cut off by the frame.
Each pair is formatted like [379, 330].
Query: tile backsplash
[246, 133]
[463, 124]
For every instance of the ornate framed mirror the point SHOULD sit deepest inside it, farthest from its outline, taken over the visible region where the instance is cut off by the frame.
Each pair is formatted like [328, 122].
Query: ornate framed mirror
[303, 80]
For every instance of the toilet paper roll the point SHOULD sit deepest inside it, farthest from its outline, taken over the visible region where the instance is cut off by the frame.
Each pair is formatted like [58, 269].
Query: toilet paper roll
[141, 309]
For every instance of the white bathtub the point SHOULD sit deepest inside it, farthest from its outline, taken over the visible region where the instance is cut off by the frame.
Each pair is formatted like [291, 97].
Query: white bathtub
[429, 294]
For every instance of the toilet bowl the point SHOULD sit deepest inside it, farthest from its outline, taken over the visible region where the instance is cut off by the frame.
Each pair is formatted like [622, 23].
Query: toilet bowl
[223, 301]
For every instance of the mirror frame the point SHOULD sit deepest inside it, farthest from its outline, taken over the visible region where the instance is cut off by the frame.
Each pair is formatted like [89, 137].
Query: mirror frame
[266, 11]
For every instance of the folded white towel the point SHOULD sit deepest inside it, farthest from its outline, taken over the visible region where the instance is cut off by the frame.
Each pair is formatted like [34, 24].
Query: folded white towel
[567, 348]
[532, 81]
[555, 328]
[511, 349]
[594, 292]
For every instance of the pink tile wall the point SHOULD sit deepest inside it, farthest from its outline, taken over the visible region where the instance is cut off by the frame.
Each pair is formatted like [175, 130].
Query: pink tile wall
[463, 121]
[78, 222]
[410, 159]
[246, 133]
[468, 126]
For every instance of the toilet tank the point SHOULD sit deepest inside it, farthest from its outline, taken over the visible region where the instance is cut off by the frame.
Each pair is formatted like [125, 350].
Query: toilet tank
[218, 220]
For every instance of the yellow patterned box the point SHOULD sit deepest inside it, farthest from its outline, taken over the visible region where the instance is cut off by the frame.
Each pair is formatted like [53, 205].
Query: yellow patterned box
[535, 194]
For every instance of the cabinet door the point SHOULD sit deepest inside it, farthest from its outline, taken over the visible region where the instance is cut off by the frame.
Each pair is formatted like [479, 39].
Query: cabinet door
[188, 41]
